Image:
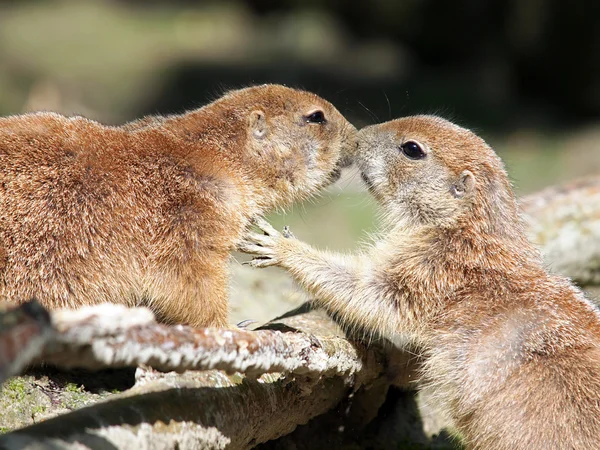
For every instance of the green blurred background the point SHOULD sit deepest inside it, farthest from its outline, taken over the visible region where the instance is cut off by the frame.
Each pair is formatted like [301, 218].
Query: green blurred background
[524, 74]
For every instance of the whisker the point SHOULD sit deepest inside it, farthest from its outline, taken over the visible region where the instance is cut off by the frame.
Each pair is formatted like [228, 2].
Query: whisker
[371, 113]
[389, 105]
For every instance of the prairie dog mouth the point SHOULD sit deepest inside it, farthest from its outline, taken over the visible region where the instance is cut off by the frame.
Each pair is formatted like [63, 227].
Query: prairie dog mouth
[345, 161]
[348, 155]
[366, 180]
[336, 174]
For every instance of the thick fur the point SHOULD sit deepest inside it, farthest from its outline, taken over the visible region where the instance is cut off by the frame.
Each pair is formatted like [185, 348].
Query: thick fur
[512, 351]
[147, 213]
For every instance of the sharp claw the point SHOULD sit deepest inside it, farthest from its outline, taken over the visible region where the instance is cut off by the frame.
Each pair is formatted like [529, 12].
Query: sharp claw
[264, 265]
[245, 323]
[261, 263]
[287, 233]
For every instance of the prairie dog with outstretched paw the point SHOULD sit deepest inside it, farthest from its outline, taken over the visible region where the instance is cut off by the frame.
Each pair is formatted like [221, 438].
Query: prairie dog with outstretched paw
[148, 212]
[512, 351]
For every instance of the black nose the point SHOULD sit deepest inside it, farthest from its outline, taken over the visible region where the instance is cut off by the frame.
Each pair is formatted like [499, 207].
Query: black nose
[346, 161]
[367, 180]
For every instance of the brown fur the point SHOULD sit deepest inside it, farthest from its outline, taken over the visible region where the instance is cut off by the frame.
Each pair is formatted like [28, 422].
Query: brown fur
[512, 351]
[148, 212]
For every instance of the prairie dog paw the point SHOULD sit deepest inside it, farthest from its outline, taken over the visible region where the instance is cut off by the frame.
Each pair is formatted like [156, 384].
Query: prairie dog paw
[266, 246]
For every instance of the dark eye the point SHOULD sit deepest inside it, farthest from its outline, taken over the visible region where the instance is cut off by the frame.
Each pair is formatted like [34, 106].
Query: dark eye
[412, 150]
[316, 117]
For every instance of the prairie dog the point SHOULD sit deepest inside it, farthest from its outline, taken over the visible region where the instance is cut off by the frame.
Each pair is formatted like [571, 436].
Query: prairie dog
[512, 351]
[148, 212]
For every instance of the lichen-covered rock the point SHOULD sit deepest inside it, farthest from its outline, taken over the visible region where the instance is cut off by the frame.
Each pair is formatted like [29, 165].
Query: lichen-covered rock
[564, 221]
[317, 368]
[301, 366]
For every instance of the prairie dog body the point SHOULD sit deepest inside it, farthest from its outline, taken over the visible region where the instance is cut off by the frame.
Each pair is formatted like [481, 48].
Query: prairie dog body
[147, 213]
[513, 352]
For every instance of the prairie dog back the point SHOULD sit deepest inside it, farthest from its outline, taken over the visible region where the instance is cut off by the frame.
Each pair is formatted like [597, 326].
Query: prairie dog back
[147, 213]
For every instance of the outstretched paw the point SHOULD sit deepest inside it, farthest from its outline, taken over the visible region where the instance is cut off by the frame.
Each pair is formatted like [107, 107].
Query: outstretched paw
[266, 246]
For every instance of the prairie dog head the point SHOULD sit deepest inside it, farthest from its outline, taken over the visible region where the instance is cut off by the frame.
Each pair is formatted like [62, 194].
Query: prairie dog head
[427, 171]
[296, 142]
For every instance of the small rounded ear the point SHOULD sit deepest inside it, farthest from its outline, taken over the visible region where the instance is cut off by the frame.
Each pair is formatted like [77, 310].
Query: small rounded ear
[464, 185]
[258, 124]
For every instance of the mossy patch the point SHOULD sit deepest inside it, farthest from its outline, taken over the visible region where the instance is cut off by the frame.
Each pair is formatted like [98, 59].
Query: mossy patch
[43, 394]
[21, 402]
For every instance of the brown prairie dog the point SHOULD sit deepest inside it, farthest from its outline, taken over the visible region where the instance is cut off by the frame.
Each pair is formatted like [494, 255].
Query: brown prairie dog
[512, 351]
[147, 213]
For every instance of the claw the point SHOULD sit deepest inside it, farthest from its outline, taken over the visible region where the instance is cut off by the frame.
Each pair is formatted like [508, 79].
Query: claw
[287, 233]
[254, 249]
[245, 323]
[261, 263]
[265, 226]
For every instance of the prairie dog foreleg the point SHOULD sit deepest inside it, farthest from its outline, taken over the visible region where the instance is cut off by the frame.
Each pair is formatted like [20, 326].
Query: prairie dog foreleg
[346, 286]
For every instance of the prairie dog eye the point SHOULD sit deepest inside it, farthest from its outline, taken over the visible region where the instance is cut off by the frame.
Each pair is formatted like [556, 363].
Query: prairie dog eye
[412, 150]
[315, 117]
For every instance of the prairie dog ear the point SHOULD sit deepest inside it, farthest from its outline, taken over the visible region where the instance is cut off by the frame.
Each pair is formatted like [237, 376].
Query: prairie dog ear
[464, 185]
[258, 124]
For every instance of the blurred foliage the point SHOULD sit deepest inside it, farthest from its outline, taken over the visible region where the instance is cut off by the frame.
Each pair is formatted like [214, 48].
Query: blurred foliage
[496, 64]
[524, 74]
